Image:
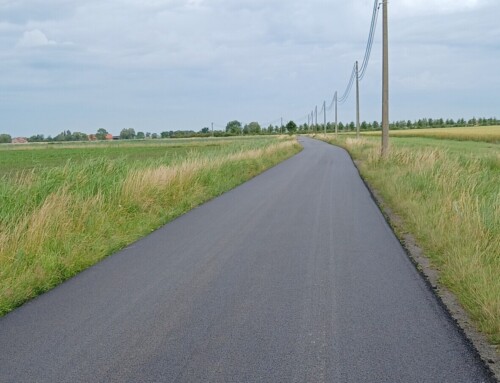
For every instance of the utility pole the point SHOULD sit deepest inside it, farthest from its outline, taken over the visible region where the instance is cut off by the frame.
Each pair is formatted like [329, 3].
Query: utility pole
[385, 81]
[316, 119]
[336, 126]
[324, 113]
[212, 129]
[357, 101]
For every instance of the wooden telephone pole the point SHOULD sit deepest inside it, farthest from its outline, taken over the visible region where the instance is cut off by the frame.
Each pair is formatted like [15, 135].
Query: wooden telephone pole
[385, 81]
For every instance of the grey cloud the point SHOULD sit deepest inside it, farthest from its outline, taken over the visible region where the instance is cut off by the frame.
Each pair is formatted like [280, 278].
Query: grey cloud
[253, 57]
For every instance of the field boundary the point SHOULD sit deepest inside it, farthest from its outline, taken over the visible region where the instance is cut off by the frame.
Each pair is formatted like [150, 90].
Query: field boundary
[478, 342]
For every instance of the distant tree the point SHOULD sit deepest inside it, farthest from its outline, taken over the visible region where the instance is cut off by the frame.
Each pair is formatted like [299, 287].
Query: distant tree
[127, 134]
[270, 128]
[79, 136]
[154, 136]
[148, 135]
[5, 138]
[291, 127]
[233, 127]
[205, 130]
[140, 135]
[252, 128]
[341, 126]
[164, 135]
[101, 134]
[65, 135]
[352, 126]
[364, 126]
[375, 125]
[37, 138]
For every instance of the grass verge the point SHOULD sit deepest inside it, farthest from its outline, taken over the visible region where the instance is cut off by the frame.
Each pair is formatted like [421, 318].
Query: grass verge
[56, 222]
[450, 201]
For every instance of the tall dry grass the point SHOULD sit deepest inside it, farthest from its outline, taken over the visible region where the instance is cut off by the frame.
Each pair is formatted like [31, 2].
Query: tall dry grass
[58, 222]
[451, 202]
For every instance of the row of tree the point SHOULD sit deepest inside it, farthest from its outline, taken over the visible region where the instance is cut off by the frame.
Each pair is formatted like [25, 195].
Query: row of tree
[425, 123]
[237, 128]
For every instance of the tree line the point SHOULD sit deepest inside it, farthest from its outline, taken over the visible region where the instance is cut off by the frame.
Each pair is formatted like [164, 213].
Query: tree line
[235, 128]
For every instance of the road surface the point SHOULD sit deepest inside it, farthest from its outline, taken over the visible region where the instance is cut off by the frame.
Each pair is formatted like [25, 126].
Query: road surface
[292, 277]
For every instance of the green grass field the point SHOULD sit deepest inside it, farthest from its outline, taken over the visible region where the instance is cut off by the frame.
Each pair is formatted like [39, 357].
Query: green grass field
[15, 158]
[65, 207]
[448, 195]
[477, 133]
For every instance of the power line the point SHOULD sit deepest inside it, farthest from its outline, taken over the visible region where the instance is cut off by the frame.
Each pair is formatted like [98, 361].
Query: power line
[357, 73]
[371, 36]
[334, 98]
[347, 91]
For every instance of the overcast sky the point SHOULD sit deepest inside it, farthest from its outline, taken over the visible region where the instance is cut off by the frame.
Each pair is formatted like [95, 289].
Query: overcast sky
[156, 65]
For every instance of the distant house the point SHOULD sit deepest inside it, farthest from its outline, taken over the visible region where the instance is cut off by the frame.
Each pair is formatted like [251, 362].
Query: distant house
[108, 137]
[92, 137]
[19, 140]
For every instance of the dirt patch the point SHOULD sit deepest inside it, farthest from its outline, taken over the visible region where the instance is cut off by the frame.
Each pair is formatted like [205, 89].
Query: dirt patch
[488, 353]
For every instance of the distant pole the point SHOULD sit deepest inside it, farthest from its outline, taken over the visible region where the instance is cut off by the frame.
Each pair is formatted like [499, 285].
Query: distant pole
[324, 114]
[316, 119]
[385, 81]
[357, 101]
[212, 129]
[308, 118]
[336, 126]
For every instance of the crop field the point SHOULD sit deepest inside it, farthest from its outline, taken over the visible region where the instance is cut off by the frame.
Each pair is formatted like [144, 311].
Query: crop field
[15, 158]
[477, 133]
[65, 207]
[448, 195]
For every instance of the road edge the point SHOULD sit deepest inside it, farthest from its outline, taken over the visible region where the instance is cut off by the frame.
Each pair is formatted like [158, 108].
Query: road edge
[483, 350]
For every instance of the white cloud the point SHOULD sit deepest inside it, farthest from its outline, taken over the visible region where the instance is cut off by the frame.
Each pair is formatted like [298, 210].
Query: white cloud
[34, 38]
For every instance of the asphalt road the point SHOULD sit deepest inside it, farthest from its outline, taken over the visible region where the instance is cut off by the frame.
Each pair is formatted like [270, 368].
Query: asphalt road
[292, 277]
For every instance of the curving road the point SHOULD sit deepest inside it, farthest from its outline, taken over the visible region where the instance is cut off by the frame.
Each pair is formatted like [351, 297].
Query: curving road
[292, 277]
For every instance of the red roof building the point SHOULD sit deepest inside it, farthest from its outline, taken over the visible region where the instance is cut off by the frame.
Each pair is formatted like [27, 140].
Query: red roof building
[19, 140]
